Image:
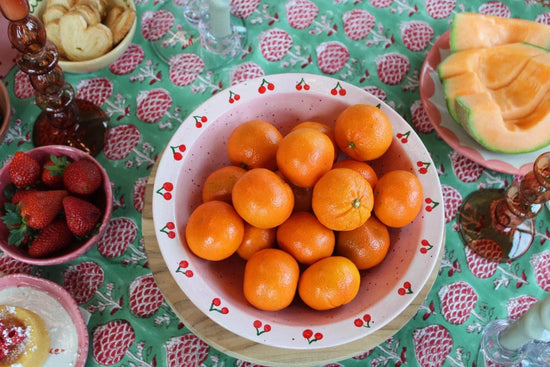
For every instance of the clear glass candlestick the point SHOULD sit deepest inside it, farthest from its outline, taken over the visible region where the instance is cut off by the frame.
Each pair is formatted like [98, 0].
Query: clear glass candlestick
[506, 217]
[65, 120]
[204, 36]
[524, 342]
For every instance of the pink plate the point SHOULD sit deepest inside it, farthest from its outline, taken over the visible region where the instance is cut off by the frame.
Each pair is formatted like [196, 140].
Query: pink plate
[433, 102]
[199, 146]
[68, 331]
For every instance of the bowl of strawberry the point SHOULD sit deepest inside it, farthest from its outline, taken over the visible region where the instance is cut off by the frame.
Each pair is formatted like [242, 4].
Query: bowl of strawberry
[56, 202]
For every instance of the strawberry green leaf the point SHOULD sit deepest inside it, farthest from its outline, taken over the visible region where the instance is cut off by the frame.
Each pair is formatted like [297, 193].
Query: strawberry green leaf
[58, 166]
[9, 191]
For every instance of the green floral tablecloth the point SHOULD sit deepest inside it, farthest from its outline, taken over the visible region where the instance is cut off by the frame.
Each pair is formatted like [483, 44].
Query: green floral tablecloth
[378, 45]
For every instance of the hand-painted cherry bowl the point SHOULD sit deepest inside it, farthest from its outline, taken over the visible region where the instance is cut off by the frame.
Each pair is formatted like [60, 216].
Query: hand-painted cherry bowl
[101, 198]
[199, 147]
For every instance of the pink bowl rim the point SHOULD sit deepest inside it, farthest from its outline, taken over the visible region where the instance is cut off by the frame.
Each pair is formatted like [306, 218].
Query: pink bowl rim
[8, 249]
[62, 296]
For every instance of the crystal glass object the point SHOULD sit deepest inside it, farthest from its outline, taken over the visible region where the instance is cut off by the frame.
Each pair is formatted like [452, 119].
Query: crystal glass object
[65, 119]
[203, 35]
[505, 218]
[525, 342]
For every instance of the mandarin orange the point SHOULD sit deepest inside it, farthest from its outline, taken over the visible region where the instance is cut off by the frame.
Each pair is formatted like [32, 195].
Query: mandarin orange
[254, 144]
[304, 155]
[342, 199]
[305, 238]
[262, 198]
[214, 230]
[219, 184]
[329, 283]
[365, 246]
[256, 239]
[362, 167]
[398, 198]
[270, 279]
[363, 132]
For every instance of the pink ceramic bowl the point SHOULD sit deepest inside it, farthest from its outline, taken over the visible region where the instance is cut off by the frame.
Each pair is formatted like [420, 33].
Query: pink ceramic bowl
[199, 146]
[5, 111]
[66, 326]
[103, 199]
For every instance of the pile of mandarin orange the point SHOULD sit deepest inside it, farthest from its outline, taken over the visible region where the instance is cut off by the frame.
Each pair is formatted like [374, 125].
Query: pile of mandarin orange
[304, 222]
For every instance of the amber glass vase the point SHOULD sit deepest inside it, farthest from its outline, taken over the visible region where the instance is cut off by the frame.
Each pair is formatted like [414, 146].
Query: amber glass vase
[64, 120]
[492, 218]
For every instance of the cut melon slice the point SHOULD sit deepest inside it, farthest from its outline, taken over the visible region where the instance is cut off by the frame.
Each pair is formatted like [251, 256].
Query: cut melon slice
[480, 115]
[460, 85]
[496, 66]
[520, 98]
[473, 30]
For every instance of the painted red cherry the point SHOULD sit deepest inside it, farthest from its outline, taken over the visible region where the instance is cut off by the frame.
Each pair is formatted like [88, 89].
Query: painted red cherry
[271, 86]
[261, 90]
[308, 333]
[216, 301]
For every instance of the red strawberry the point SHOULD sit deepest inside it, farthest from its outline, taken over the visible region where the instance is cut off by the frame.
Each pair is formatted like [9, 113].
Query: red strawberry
[83, 280]
[39, 208]
[52, 171]
[20, 194]
[121, 141]
[81, 215]
[24, 170]
[51, 239]
[145, 296]
[82, 177]
[111, 341]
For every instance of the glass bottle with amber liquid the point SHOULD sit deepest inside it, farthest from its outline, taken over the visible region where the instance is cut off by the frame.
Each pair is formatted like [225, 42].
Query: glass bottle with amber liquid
[65, 119]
